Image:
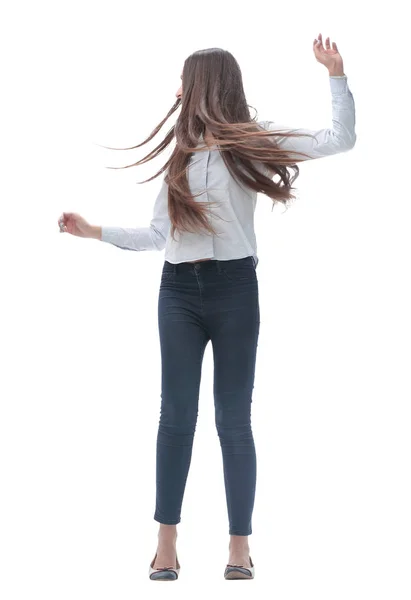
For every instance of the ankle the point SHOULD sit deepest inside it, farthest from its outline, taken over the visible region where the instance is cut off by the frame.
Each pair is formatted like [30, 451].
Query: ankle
[167, 534]
[239, 539]
[238, 543]
[239, 552]
[166, 544]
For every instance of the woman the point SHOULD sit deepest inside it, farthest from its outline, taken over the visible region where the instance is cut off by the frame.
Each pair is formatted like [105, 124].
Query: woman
[203, 217]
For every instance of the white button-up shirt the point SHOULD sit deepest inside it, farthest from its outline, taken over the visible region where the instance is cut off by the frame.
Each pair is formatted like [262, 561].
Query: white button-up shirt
[233, 214]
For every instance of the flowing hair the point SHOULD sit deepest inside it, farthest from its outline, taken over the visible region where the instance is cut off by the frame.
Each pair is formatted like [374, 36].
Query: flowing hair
[213, 101]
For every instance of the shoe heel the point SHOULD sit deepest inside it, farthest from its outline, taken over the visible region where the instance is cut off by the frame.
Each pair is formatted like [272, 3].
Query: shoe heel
[239, 572]
[164, 574]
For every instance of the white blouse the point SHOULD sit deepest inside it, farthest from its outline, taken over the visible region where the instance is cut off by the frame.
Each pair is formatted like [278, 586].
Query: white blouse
[233, 215]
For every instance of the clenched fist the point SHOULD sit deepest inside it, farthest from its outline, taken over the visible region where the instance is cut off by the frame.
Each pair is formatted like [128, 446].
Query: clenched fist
[76, 225]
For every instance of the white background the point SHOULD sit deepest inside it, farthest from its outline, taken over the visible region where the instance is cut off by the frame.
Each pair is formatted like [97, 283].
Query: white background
[80, 377]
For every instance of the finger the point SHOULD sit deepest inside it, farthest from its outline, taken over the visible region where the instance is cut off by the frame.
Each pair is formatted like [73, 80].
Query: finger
[335, 46]
[327, 43]
[317, 46]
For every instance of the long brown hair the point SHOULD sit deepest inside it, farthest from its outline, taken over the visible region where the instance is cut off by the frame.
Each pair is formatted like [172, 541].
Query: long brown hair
[213, 99]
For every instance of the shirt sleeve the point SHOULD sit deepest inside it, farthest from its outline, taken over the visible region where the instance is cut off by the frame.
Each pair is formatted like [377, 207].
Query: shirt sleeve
[340, 137]
[153, 237]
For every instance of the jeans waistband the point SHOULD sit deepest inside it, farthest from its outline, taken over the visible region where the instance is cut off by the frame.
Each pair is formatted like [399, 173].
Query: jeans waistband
[206, 265]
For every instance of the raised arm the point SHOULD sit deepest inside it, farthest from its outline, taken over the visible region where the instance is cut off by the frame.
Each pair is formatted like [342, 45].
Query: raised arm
[153, 237]
[340, 137]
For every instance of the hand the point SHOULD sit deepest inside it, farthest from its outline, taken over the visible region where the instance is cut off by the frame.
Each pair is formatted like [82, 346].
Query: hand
[75, 224]
[329, 57]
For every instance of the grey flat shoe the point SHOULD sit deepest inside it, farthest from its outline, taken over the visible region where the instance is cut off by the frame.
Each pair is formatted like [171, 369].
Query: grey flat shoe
[239, 572]
[164, 574]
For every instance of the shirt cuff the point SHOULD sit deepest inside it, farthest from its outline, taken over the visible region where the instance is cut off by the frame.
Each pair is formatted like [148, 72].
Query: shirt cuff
[338, 84]
[109, 234]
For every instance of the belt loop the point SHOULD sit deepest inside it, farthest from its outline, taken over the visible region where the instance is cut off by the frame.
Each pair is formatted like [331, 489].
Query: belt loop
[219, 267]
[175, 269]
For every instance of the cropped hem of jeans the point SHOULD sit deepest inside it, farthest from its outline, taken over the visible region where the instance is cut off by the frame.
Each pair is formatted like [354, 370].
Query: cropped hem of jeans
[166, 521]
[240, 532]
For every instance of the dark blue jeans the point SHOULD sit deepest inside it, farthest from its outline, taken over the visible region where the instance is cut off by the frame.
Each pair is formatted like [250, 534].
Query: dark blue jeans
[218, 301]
